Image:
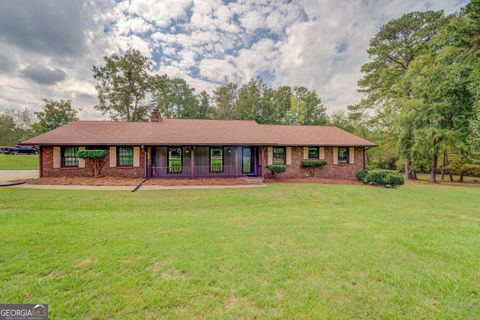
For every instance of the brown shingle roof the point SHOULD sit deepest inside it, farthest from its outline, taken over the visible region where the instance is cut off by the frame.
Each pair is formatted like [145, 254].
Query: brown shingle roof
[194, 132]
[314, 136]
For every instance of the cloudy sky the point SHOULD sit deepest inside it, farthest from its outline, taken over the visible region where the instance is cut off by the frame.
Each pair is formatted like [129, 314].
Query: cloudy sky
[47, 47]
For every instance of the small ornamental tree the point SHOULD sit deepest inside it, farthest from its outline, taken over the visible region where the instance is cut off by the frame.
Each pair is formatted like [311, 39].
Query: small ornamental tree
[313, 166]
[96, 156]
[276, 169]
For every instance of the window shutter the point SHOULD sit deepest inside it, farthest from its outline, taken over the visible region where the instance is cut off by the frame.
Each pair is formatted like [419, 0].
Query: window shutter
[57, 159]
[136, 156]
[270, 155]
[113, 157]
[305, 152]
[351, 155]
[322, 153]
[335, 155]
[288, 155]
[81, 162]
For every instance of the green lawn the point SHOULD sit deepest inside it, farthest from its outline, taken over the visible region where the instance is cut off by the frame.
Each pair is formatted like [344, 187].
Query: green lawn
[284, 251]
[18, 162]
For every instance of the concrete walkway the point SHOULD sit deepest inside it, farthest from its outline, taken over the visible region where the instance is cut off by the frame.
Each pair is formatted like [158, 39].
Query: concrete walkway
[7, 176]
[130, 188]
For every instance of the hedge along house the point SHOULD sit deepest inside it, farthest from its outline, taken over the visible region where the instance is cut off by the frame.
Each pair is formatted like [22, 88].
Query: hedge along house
[185, 148]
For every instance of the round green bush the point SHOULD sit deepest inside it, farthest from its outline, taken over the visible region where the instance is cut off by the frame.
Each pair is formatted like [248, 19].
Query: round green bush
[276, 168]
[388, 178]
[361, 175]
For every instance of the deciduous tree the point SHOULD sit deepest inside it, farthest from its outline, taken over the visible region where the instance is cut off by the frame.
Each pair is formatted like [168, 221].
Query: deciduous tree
[54, 114]
[122, 86]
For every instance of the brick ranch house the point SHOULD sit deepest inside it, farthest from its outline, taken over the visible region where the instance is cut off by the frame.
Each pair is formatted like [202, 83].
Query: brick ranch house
[185, 148]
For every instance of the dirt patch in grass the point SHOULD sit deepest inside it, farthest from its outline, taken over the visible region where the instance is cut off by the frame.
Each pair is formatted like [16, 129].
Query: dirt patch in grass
[86, 262]
[195, 182]
[129, 260]
[86, 181]
[173, 274]
[310, 180]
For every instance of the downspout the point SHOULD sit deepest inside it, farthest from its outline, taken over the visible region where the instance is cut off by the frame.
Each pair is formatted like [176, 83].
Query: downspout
[364, 156]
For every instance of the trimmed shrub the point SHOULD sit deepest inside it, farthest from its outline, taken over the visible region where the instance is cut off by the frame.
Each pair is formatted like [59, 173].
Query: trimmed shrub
[393, 179]
[313, 163]
[96, 156]
[361, 175]
[92, 154]
[313, 166]
[388, 178]
[276, 168]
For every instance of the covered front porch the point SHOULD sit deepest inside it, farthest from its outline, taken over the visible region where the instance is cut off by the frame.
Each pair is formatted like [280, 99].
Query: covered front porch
[170, 162]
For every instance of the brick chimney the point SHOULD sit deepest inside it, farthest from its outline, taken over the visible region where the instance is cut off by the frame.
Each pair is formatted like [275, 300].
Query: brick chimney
[155, 115]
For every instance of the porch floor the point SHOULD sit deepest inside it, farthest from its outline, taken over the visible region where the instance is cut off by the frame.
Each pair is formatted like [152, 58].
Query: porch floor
[203, 181]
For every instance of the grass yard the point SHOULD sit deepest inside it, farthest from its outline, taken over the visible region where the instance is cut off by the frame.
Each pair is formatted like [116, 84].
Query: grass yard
[285, 251]
[18, 162]
[426, 177]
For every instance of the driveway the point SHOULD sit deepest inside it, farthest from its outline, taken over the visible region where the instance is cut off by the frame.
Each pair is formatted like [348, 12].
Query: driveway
[10, 175]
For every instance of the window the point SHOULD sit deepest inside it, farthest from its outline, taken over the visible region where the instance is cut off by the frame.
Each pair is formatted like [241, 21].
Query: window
[279, 155]
[216, 159]
[313, 153]
[174, 155]
[70, 157]
[125, 156]
[342, 155]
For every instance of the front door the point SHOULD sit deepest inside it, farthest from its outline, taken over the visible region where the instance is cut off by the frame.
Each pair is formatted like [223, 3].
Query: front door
[247, 160]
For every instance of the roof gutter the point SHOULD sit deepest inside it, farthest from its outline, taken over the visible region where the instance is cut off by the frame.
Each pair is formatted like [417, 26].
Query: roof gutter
[196, 144]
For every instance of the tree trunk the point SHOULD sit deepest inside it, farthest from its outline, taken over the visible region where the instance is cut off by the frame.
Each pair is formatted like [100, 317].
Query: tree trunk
[450, 175]
[433, 176]
[135, 110]
[407, 170]
[444, 163]
[413, 175]
[97, 166]
[461, 176]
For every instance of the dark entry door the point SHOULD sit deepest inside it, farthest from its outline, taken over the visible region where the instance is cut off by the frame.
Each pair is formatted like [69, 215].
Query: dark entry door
[247, 160]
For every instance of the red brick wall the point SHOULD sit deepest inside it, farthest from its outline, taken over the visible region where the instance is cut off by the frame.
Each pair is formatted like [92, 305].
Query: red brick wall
[330, 170]
[49, 171]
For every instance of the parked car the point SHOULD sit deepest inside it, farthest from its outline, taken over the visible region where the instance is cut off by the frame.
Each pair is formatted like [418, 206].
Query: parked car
[23, 150]
[5, 150]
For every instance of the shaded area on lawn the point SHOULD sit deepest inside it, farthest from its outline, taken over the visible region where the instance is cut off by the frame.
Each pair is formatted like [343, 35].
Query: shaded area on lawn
[468, 181]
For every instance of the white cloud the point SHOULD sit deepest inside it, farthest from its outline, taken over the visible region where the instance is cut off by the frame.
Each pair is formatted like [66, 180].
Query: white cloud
[160, 12]
[137, 25]
[215, 69]
[134, 42]
[260, 57]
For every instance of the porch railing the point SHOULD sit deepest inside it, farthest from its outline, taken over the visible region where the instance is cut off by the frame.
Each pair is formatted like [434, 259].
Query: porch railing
[173, 172]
